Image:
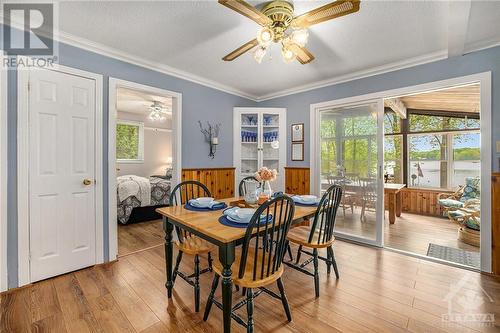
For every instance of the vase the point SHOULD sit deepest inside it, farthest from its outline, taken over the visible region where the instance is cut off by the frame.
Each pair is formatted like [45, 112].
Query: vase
[267, 188]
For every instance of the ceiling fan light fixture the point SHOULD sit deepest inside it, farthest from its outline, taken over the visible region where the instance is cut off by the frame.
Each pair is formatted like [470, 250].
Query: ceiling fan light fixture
[265, 36]
[300, 37]
[157, 112]
[259, 53]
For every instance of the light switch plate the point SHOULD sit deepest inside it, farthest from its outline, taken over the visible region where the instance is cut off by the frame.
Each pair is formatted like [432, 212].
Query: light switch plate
[498, 146]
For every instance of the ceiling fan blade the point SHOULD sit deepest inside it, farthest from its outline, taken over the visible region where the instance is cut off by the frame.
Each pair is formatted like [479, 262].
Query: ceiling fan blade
[246, 9]
[303, 55]
[326, 12]
[240, 50]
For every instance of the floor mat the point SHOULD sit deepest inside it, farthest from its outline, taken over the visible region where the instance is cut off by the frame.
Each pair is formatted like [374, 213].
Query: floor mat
[458, 256]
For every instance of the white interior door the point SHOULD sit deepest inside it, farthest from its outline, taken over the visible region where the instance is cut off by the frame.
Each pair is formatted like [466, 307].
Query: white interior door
[61, 173]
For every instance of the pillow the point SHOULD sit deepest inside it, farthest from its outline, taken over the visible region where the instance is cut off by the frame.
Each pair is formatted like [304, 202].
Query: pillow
[450, 203]
[472, 224]
[168, 173]
[471, 189]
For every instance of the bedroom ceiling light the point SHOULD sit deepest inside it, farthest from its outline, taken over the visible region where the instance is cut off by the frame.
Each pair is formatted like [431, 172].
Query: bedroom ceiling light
[158, 112]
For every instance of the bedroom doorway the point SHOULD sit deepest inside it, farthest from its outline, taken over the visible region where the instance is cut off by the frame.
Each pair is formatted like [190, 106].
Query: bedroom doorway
[144, 156]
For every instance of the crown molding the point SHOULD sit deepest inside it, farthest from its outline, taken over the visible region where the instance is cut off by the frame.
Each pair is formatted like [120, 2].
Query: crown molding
[359, 75]
[482, 45]
[165, 69]
[155, 66]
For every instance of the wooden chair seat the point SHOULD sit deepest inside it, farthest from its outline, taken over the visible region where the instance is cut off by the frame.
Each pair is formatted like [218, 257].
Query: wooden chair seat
[247, 280]
[194, 245]
[300, 236]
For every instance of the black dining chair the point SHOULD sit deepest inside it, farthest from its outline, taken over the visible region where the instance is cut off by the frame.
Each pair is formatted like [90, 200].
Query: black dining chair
[242, 186]
[259, 263]
[318, 236]
[189, 243]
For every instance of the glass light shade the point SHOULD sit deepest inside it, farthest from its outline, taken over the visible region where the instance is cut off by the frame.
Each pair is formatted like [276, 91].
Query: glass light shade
[265, 36]
[259, 53]
[288, 55]
[300, 37]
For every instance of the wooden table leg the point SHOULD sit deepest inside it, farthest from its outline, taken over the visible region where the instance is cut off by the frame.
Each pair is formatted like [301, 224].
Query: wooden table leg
[226, 258]
[399, 204]
[392, 208]
[168, 228]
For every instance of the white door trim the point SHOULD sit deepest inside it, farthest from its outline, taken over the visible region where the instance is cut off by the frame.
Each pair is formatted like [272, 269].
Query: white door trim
[3, 177]
[484, 79]
[176, 148]
[23, 167]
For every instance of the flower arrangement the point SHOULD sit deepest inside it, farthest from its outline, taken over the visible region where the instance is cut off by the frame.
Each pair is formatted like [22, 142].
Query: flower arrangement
[266, 175]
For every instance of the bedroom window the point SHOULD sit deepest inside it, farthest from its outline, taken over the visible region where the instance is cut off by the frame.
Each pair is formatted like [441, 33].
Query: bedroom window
[129, 141]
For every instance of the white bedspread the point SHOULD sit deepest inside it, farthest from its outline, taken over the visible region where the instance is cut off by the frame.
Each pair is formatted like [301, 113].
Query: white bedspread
[131, 185]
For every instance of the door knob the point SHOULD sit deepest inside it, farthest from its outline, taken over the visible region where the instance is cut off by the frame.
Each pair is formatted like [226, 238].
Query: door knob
[87, 182]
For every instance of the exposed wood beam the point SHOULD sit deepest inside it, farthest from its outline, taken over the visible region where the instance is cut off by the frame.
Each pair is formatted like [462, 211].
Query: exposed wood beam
[397, 106]
[458, 23]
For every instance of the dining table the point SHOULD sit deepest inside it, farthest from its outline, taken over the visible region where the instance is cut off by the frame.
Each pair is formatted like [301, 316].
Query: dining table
[206, 225]
[391, 190]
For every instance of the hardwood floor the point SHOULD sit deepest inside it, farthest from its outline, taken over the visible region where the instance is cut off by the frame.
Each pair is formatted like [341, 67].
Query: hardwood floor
[139, 236]
[378, 291]
[411, 232]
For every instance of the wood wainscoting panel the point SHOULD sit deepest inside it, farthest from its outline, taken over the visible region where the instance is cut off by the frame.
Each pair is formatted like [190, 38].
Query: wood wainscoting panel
[220, 181]
[420, 201]
[495, 222]
[297, 180]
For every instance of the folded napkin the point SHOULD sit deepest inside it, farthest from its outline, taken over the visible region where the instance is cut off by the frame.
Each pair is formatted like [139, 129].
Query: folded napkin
[214, 205]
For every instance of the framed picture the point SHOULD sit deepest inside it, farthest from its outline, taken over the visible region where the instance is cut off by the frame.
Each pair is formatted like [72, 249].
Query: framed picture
[298, 151]
[298, 132]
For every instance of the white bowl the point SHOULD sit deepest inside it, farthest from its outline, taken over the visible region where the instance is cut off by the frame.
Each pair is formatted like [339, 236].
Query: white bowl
[308, 198]
[204, 201]
[245, 214]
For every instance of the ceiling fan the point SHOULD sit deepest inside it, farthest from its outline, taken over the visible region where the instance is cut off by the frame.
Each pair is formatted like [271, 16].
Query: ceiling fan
[279, 25]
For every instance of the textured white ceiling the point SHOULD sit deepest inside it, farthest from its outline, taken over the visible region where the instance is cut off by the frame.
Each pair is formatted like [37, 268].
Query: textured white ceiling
[193, 36]
[132, 101]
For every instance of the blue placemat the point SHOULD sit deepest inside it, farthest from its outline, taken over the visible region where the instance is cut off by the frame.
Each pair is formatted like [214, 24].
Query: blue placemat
[225, 221]
[204, 209]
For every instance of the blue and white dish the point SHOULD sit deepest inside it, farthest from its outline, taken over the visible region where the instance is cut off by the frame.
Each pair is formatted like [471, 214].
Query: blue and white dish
[242, 215]
[203, 202]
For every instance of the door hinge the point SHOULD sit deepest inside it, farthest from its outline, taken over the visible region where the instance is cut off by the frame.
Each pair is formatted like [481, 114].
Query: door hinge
[29, 86]
[29, 256]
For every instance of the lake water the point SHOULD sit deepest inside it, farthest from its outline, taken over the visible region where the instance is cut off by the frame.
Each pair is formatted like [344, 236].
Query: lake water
[431, 172]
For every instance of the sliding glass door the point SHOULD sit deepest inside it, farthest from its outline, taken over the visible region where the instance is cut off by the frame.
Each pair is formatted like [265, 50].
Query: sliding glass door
[350, 155]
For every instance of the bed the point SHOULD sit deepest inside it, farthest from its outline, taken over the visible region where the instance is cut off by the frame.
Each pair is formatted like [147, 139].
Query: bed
[138, 198]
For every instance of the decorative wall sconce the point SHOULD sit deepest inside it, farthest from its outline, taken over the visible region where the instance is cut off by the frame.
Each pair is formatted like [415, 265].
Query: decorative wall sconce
[211, 134]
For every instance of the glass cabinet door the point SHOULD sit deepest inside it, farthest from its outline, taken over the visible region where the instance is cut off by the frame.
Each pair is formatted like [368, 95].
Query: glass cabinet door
[270, 141]
[250, 137]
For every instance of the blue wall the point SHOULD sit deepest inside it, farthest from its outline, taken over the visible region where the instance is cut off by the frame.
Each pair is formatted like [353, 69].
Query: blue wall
[298, 105]
[204, 103]
[198, 103]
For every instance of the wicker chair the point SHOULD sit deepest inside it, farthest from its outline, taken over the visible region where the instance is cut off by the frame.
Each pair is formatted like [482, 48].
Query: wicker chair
[469, 221]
